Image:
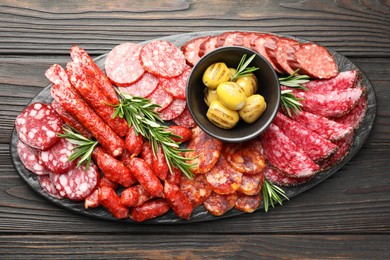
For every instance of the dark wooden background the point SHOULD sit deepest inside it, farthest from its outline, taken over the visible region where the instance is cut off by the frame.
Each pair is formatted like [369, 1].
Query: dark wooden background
[347, 216]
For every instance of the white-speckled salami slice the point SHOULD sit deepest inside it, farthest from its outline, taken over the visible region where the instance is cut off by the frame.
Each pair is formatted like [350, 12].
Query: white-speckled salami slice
[176, 86]
[29, 156]
[161, 98]
[47, 185]
[185, 119]
[354, 117]
[173, 110]
[142, 87]
[343, 80]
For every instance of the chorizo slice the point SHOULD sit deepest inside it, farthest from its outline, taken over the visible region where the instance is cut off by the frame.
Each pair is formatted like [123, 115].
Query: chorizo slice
[251, 184]
[197, 190]
[219, 204]
[247, 203]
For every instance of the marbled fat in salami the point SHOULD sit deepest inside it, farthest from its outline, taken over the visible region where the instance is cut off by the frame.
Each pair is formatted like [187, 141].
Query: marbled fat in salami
[37, 126]
[176, 86]
[29, 157]
[92, 201]
[218, 204]
[197, 190]
[142, 87]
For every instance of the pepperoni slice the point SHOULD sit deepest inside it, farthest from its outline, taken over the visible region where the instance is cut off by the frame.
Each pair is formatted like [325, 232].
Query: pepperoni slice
[218, 204]
[222, 179]
[142, 87]
[47, 185]
[176, 86]
[206, 151]
[185, 119]
[29, 156]
[251, 184]
[247, 203]
[122, 64]
[163, 59]
[55, 159]
[161, 98]
[173, 110]
[191, 50]
[245, 157]
[37, 126]
[197, 190]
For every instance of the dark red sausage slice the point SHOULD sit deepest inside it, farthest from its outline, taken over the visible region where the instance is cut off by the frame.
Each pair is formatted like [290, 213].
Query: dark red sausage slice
[173, 110]
[283, 46]
[191, 50]
[208, 45]
[149, 210]
[259, 46]
[176, 86]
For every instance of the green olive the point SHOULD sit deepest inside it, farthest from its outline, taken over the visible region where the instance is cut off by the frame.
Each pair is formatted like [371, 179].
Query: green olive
[215, 74]
[253, 109]
[231, 95]
[209, 96]
[248, 84]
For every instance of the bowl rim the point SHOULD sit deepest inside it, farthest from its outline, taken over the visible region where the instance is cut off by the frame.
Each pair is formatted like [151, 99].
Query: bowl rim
[253, 134]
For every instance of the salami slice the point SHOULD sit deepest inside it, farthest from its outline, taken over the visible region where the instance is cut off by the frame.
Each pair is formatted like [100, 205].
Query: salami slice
[344, 145]
[185, 119]
[191, 50]
[56, 158]
[142, 87]
[283, 46]
[92, 201]
[314, 60]
[249, 39]
[206, 151]
[29, 156]
[208, 45]
[197, 190]
[161, 98]
[176, 86]
[245, 157]
[277, 177]
[315, 146]
[163, 59]
[37, 126]
[323, 126]
[122, 64]
[251, 184]
[47, 185]
[222, 179]
[218, 204]
[247, 203]
[259, 46]
[354, 117]
[173, 110]
[343, 80]
[231, 39]
[78, 183]
[286, 155]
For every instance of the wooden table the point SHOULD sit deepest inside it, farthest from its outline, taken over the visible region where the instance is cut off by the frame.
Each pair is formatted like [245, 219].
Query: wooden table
[346, 216]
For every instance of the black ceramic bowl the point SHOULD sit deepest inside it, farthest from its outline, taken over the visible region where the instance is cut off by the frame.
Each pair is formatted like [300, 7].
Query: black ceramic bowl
[268, 87]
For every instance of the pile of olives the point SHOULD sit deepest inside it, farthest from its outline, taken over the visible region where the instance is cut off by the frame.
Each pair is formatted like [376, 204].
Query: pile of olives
[229, 100]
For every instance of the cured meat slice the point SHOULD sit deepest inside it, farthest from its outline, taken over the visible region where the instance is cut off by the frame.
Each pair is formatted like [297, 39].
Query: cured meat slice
[251, 184]
[315, 146]
[323, 126]
[249, 39]
[248, 203]
[178, 201]
[245, 157]
[57, 75]
[259, 46]
[231, 39]
[206, 151]
[185, 119]
[149, 210]
[79, 55]
[218, 204]
[270, 45]
[197, 190]
[222, 179]
[314, 60]
[92, 201]
[47, 185]
[111, 201]
[208, 45]
[56, 158]
[173, 110]
[343, 80]
[142, 87]
[176, 86]
[286, 155]
[123, 65]
[161, 98]
[163, 59]
[29, 156]
[277, 177]
[78, 183]
[344, 145]
[134, 196]
[191, 50]
[334, 103]
[283, 47]
[70, 120]
[354, 117]
[37, 126]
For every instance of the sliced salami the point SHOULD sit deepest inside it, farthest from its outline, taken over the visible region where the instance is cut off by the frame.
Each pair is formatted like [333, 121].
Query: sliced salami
[231, 39]
[185, 119]
[92, 201]
[247, 203]
[286, 155]
[191, 50]
[142, 87]
[354, 117]
[343, 80]
[277, 177]
[163, 59]
[218, 204]
[29, 156]
[208, 45]
[344, 147]
[122, 64]
[78, 183]
[37, 126]
[283, 46]
[245, 157]
[259, 46]
[47, 185]
[161, 98]
[56, 158]
[222, 179]
[251, 184]
[197, 190]
[176, 86]
[270, 45]
[206, 151]
[173, 110]
[314, 60]
[249, 39]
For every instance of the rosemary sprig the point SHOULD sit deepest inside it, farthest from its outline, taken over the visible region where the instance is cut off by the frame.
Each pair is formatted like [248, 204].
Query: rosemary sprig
[290, 102]
[242, 69]
[140, 113]
[295, 81]
[272, 194]
[84, 146]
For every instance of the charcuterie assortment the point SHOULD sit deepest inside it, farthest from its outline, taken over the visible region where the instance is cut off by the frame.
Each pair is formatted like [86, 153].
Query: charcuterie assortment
[146, 161]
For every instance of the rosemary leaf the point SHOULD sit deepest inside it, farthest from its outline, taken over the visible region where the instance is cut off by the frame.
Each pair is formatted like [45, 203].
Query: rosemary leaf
[272, 194]
[242, 69]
